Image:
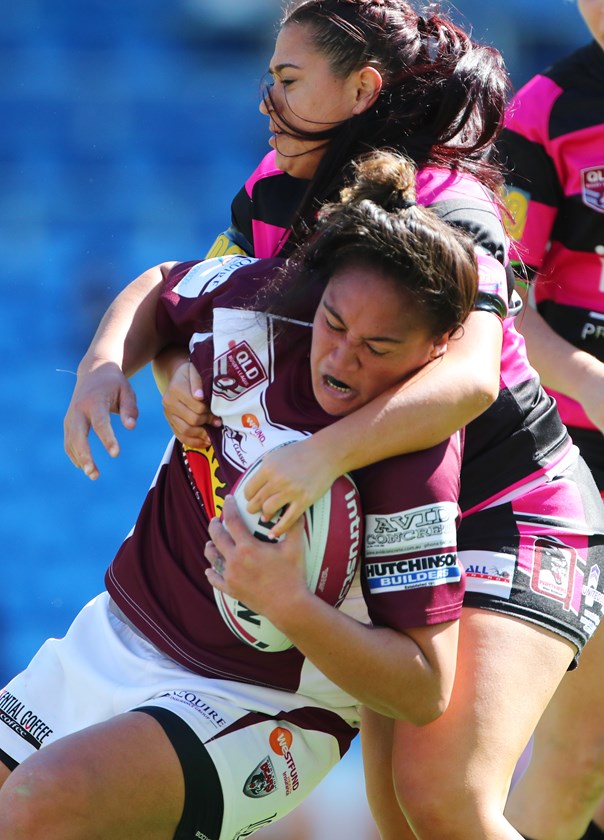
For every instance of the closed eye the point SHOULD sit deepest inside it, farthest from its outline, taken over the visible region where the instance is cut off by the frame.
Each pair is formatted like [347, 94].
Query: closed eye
[333, 326]
[374, 351]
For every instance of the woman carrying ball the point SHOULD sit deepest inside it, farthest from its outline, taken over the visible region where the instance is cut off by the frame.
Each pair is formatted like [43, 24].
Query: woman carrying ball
[347, 76]
[153, 718]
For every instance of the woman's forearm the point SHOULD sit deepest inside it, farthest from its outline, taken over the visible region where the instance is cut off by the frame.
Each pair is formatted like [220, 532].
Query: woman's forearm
[403, 676]
[166, 363]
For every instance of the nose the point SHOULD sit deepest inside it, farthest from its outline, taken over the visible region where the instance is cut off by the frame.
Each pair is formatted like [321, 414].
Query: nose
[262, 107]
[344, 356]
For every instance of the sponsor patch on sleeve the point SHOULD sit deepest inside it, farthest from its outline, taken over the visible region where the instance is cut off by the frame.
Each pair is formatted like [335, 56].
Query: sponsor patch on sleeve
[421, 529]
[412, 573]
[412, 549]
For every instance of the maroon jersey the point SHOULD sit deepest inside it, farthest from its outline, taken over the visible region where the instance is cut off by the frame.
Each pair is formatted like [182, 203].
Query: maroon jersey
[256, 367]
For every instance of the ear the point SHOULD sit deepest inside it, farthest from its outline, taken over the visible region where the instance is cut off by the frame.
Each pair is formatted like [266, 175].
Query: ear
[439, 348]
[369, 85]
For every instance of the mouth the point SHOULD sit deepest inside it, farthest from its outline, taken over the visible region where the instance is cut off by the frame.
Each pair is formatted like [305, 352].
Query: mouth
[336, 385]
[275, 134]
[335, 396]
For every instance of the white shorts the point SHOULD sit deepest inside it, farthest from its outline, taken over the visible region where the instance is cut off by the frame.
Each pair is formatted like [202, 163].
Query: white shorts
[269, 748]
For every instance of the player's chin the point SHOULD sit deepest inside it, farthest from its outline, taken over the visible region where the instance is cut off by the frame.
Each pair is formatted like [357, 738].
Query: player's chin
[340, 406]
[297, 158]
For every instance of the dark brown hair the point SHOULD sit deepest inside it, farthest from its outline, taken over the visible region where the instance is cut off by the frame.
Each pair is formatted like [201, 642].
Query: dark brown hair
[442, 100]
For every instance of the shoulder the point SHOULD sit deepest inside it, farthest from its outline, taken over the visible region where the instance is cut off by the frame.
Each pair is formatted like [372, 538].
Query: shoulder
[545, 106]
[240, 274]
[581, 67]
[530, 109]
[267, 168]
[462, 200]
[435, 185]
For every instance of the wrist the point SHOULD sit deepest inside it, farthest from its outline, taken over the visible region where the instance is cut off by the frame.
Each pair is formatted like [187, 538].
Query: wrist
[292, 613]
[328, 449]
[93, 361]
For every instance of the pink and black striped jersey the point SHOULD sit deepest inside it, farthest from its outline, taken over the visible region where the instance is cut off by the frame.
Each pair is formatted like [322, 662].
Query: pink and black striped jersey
[520, 437]
[553, 145]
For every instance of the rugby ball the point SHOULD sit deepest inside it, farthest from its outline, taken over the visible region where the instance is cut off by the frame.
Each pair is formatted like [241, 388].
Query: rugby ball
[332, 546]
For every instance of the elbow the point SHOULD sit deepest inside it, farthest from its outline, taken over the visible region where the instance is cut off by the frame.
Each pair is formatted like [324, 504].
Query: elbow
[427, 708]
[486, 393]
[433, 711]
[428, 712]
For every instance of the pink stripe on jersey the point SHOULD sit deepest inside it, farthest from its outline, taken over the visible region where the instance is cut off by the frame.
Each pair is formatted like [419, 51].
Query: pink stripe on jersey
[265, 169]
[559, 576]
[492, 276]
[571, 411]
[525, 486]
[575, 151]
[515, 367]
[434, 184]
[534, 124]
[573, 278]
[536, 233]
[268, 239]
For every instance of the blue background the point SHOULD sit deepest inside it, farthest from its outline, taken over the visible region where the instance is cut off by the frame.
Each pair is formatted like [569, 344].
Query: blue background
[126, 128]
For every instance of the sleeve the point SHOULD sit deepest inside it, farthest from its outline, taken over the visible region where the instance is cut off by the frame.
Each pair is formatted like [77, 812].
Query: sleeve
[533, 192]
[411, 576]
[229, 242]
[262, 213]
[192, 290]
[462, 201]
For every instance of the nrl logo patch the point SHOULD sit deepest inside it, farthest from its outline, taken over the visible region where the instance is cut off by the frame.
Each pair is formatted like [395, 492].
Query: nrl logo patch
[592, 187]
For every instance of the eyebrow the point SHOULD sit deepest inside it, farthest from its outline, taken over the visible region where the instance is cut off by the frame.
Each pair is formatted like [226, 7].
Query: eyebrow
[278, 68]
[381, 338]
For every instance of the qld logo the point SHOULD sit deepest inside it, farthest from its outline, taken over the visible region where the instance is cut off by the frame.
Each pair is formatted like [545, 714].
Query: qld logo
[237, 371]
[592, 187]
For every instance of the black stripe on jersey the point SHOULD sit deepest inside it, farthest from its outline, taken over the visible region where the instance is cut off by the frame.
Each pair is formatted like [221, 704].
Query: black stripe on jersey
[574, 112]
[478, 220]
[578, 227]
[241, 218]
[527, 156]
[581, 77]
[276, 200]
[581, 327]
[589, 442]
[522, 427]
